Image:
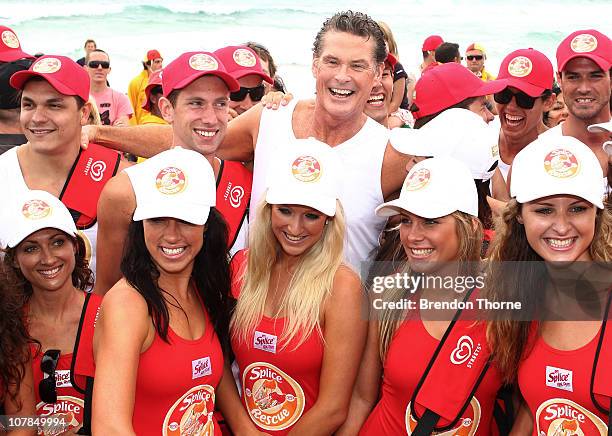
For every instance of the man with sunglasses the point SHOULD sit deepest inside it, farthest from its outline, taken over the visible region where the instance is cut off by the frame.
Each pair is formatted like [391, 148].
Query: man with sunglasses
[584, 62]
[114, 107]
[245, 66]
[528, 76]
[12, 59]
[475, 56]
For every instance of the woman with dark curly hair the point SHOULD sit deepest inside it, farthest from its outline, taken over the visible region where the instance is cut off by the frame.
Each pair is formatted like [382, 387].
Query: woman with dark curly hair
[16, 386]
[48, 257]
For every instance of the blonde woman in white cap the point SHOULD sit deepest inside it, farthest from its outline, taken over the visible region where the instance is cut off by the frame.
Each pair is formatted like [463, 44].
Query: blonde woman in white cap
[298, 330]
[438, 207]
[47, 254]
[162, 332]
[555, 224]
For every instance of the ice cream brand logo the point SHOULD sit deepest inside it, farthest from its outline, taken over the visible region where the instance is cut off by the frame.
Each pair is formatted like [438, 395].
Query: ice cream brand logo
[465, 426]
[36, 209]
[462, 351]
[203, 62]
[62, 378]
[274, 400]
[192, 414]
[559, 416]
[68, 410]
[10, 39]
[583, 43]
[170, 181]
[47, 66]
[561, 163]
[244, 58]
[306, 169]
[559, 378]
[200, 368]
[264, 342]
[417, 180]
[520, 66]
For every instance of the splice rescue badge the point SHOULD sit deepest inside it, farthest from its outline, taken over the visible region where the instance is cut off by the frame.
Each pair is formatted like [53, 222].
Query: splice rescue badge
[465, 426]
[274, 400]
[561, 417]
[192, 414]
[68, 410]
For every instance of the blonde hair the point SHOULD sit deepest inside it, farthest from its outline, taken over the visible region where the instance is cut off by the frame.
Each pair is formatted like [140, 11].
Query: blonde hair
[469, 234]
[309, 287]
[386, 30]
[94, 113]
[509, 338]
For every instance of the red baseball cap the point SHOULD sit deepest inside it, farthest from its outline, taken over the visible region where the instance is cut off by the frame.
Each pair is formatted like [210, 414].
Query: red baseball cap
[64, 74]
[528, 70]
[240, 61]
[193, 65]
[448, 84]
[10, 48]
[152, 54]
[432, 42]
[155, 79]
[391, 60]
[589, 44]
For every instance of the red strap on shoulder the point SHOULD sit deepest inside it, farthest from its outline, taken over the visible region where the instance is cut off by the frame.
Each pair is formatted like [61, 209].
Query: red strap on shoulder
[92, 169]
[233, 196]
[83, 360]
[602, 367]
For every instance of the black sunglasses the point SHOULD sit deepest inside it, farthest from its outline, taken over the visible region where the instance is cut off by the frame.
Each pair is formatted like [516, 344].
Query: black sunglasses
[96, 64]
[46, 387]
[522, 100]
[256, 93]
[474, 57]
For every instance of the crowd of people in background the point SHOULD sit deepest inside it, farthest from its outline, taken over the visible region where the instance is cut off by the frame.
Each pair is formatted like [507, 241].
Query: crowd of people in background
[203, 254]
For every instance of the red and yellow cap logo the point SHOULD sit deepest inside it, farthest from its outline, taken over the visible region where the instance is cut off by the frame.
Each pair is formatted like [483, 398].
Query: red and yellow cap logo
[520, 66]
[417, 180]
[561, 163]
[244, 58]
[170, 181]
[192, 414]
[10, 39]
[47, 65]
[35, 209]
[583, 43]
[273, 399]
[203, 62]
[306, 169]
[559, 416]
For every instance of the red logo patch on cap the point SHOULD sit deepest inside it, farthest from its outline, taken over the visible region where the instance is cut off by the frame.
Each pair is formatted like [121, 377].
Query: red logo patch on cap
[417, 180]
[47, 65]
[561, 163]
[306, 169]
[244, 58]
[10, 39]
[170, 181]
[583, 43]
[35, 209]
[203, 62]
[520, 66]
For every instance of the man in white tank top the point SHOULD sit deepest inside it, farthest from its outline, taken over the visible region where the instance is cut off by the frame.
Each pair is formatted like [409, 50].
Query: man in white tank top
[349, 52]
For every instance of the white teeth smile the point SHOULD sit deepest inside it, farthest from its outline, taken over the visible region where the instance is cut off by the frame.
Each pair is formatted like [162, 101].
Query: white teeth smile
[584, 100]
[343, 92]
[205, 133]
[560, 243]
[376, 100]
[294, 238]
[421, 251]
[173, 251]
[50, 272]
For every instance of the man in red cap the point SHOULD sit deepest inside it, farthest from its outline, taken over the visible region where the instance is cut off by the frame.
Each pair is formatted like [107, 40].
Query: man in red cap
[430, 45]
[153, 92]
[245, 66]
[152, 62]
[53, 110]
[195, 102]
[584, 60]
[12, 59]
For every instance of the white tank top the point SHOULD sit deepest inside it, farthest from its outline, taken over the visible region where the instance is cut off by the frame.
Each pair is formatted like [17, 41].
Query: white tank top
[10, 171]
[362, 158]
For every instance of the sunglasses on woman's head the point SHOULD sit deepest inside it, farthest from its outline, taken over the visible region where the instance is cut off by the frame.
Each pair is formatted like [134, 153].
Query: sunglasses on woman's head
[46, 387]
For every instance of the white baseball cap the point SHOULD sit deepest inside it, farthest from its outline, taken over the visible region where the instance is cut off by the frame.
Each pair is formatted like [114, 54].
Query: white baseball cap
[459, 133]
[176, 183]
[306, 173]
[603, 127]
[35, 210]
[434, 188]
[554, 165]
